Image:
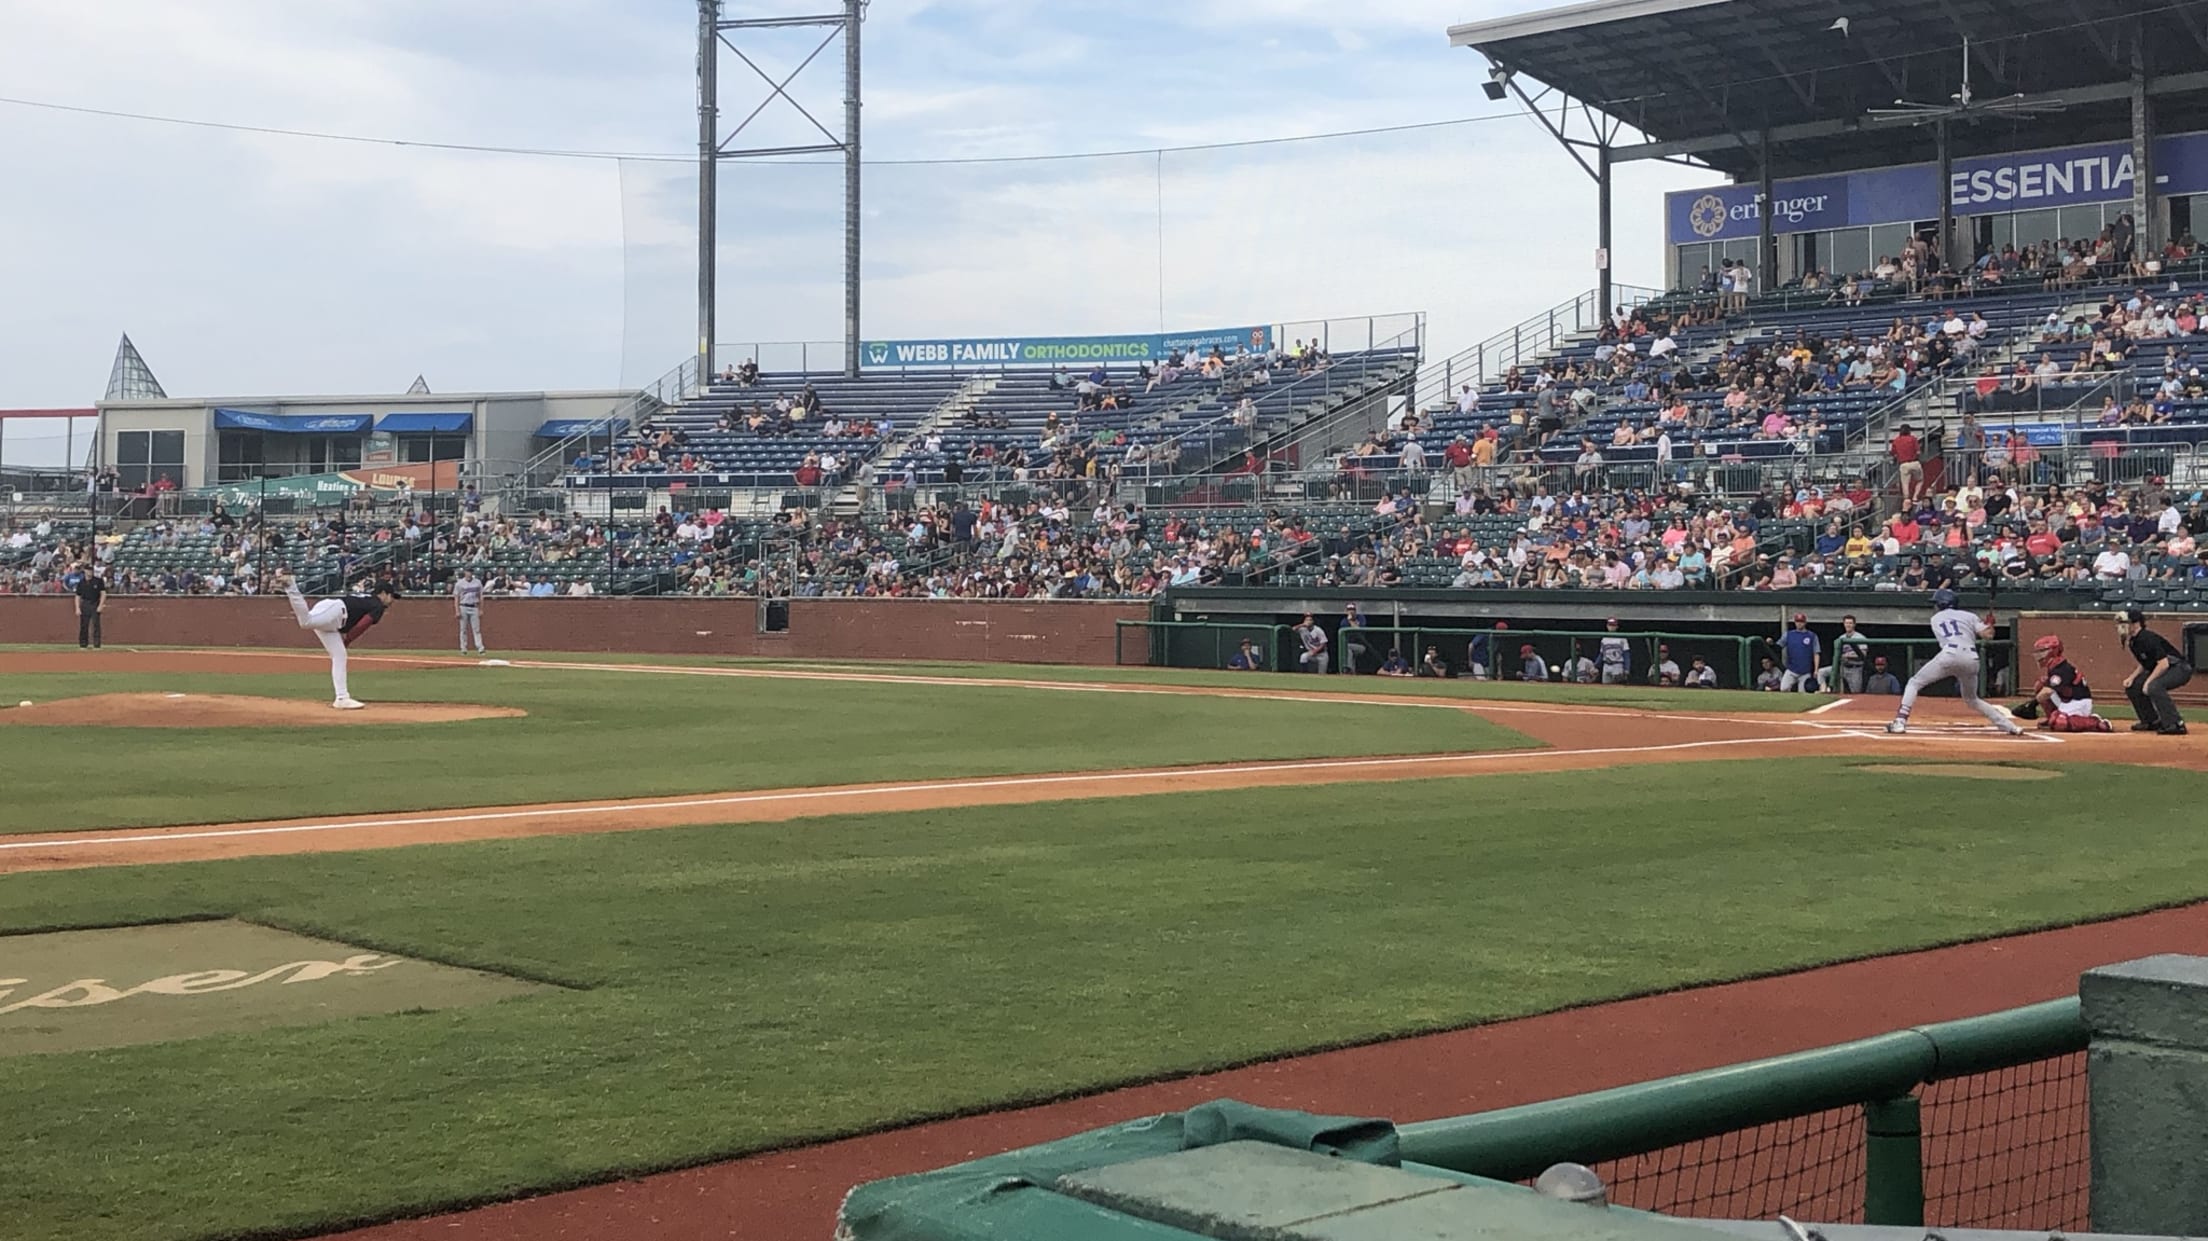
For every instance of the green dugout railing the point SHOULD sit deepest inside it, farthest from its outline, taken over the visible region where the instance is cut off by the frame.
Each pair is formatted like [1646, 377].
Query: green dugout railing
[1969, 1094]
[1209, 644]
[1737, 658]
[1880, 1075]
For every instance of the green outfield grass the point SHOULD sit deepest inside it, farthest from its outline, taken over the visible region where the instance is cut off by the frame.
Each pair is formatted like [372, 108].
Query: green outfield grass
[593, 735]
[745, 987]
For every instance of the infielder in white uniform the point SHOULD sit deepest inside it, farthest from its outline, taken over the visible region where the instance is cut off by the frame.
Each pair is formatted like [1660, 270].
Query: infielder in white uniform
[337, 622]
[1958, 632]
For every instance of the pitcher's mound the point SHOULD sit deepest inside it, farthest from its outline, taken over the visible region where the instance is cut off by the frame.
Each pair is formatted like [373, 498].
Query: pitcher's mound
[238, 711]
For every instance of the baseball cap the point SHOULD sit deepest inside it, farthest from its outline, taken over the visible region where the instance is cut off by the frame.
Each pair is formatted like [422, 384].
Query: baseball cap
[1801, 618]
[1527, 649]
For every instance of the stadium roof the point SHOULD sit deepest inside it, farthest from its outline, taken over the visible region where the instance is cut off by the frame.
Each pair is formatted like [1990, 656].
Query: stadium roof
[1702, 79]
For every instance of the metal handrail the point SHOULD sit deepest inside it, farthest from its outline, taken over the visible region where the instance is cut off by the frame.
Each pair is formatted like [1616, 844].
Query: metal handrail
[677, 385]
[1323, 380]
[1519, 1142]
[1505, 351]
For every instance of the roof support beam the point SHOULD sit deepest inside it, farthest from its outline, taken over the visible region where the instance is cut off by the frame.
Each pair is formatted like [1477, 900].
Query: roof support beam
[1555, 128]
[2185, 18]
[2088, 21]
[2173, 84]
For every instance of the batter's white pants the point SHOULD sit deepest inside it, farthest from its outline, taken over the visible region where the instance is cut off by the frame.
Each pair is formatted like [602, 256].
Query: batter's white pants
[1964, 669]
[326, 620]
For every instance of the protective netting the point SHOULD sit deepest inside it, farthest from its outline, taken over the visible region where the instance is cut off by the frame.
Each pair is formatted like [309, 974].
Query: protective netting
[2005, 1149]
[2008, 1149]
[1808, 1167]
[1137, 242]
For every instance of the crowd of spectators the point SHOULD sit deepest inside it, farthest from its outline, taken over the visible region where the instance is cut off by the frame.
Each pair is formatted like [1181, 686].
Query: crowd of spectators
[2000, 522]
[2113, 254]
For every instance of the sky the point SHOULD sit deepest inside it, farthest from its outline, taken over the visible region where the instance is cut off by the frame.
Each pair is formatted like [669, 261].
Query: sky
[256, 264]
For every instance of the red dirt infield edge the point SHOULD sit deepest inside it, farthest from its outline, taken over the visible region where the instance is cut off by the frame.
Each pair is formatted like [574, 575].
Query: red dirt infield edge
[792, 1195]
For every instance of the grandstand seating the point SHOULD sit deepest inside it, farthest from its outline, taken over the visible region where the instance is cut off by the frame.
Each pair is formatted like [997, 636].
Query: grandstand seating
[1193, 413]
[741, 458]
[1004, 412]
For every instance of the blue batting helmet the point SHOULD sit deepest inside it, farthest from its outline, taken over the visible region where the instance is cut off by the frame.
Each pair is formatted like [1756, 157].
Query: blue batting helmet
[1942, 600]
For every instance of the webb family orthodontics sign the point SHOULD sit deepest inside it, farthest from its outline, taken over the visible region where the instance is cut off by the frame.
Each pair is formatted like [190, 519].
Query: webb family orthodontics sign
[2023, 181]
[1083, 351]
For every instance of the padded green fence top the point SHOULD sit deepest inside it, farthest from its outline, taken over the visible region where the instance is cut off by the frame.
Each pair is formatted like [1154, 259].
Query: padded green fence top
[1008, 1196]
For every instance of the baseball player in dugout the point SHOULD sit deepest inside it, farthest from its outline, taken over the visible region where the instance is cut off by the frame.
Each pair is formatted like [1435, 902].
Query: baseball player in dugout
[2162, 668]
[2062, 702]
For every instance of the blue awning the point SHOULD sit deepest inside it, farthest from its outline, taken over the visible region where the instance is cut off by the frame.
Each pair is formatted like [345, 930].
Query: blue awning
[562, 428]
[419, 424]
[292, 424]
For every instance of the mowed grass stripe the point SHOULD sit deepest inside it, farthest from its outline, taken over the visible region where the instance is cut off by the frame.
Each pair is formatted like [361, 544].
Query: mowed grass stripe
[606, 735]
[755, 986]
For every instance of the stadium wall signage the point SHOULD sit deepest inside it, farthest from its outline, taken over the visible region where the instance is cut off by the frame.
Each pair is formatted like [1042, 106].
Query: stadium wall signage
[2019, 181]
[1069, 351]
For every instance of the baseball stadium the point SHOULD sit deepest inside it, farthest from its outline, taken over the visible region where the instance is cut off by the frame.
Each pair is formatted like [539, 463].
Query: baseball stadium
[1712, 752]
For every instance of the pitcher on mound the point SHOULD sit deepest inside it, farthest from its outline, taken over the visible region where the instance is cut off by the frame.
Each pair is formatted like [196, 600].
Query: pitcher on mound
[337, 622]
[1958, 633]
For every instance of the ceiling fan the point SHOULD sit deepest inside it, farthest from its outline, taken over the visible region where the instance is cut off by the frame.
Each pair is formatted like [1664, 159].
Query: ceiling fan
[1963, 105]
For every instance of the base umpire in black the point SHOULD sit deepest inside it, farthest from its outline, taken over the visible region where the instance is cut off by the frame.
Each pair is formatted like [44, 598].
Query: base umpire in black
[91, 595]
[2162, 668]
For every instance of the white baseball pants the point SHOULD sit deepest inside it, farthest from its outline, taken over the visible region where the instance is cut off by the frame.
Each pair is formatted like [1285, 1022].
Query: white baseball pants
[326, 620]
[1961, 666]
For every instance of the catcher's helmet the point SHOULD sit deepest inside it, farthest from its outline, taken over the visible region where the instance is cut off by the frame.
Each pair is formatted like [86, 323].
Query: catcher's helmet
[1942, 600]
[2133, 616]
[2048, 649]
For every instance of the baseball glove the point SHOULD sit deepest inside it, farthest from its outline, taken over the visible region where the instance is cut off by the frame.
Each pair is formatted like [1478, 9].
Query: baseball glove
[2026, 710]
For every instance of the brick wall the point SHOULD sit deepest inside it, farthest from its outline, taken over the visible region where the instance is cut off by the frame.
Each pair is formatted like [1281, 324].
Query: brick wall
[928, 629]
[2090, 641]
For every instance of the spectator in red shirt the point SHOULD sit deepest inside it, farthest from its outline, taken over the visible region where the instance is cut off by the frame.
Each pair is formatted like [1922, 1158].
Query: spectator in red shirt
[1459, 456]
[1905, 530]
[2041, 542]
[1908, 461]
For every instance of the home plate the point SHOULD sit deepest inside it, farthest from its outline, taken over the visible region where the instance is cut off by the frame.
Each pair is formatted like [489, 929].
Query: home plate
[496, 663]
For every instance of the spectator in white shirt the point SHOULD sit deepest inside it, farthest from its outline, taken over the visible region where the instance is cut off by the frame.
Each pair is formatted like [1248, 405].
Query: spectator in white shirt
[2112, 565]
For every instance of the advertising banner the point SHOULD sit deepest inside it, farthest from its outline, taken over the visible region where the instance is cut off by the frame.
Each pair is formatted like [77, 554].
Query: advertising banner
[1067, 351]
[1989, 184]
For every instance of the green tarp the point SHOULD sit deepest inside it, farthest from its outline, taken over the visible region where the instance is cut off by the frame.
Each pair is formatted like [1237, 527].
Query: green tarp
[1007, 1196]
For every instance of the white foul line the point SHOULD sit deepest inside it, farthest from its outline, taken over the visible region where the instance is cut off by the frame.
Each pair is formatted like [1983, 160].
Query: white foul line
[802, 795]
[1836, 703]
[1506, 707]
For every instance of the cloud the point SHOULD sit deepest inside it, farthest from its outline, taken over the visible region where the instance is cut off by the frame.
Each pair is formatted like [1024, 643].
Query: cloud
[255, 264]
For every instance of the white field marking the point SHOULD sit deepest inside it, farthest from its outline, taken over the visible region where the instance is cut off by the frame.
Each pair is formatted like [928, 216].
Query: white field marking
[1944, 732]
[823, 795]
[822, 672]
[1167, 690]
[1830, 706]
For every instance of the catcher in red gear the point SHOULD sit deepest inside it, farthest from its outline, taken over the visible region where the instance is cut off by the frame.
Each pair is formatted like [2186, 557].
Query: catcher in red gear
[2062, 696]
